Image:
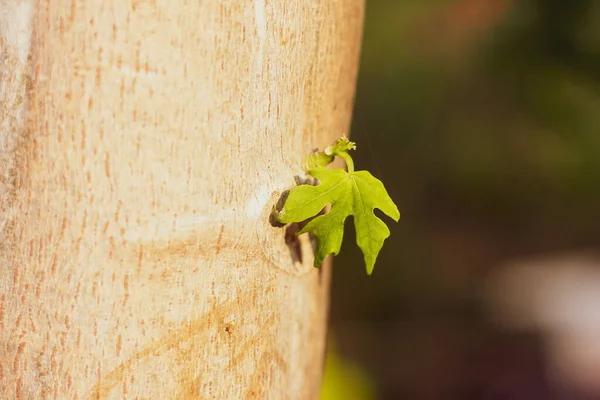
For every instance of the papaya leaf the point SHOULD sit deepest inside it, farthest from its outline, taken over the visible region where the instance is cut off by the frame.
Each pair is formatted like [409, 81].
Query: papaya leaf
[349, 193]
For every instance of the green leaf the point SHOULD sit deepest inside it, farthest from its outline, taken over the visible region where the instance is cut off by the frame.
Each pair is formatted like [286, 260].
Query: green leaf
[349, 193]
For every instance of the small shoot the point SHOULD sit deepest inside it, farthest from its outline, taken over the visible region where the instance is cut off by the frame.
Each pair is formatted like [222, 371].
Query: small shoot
[349, 192]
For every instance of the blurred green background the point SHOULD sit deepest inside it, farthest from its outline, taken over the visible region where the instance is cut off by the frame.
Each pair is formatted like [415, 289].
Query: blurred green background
[482, 118]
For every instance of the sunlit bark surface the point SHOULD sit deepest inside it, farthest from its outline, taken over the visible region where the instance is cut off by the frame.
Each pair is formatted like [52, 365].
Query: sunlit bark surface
[142, 145]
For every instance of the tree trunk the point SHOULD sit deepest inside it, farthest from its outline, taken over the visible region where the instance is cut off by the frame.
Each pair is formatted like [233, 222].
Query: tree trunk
[143, 144]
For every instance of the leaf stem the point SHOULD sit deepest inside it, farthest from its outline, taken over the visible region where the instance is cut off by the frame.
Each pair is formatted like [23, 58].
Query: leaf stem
[347, 159]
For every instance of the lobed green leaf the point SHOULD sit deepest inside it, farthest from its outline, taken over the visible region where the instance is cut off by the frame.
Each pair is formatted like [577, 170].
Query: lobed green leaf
[349, 193]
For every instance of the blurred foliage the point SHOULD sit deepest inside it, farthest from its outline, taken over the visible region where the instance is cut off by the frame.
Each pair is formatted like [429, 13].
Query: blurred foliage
[344, 379]
[482, 118]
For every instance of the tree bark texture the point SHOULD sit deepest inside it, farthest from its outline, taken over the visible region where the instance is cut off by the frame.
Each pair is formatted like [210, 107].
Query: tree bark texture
[143, 144]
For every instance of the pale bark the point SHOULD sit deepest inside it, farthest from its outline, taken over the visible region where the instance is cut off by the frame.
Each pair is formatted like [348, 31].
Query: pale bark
[143, 145]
